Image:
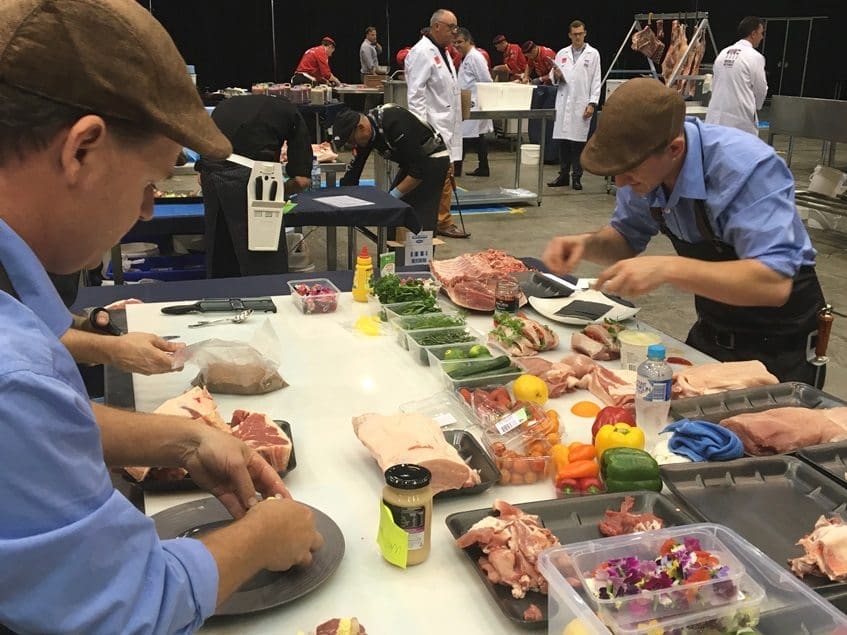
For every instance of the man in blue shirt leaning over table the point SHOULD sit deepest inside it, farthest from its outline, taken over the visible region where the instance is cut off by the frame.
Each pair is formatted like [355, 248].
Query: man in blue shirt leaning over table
[726, 202]
[81, 143]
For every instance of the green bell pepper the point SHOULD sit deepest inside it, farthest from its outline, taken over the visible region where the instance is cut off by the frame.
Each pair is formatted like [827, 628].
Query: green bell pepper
[629, 469]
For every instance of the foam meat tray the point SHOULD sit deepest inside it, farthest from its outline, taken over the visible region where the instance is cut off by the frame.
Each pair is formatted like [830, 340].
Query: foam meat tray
[719, 406]
[771, 501]
[570, 520]
[476, 458]
[187, 484]
[829, 457]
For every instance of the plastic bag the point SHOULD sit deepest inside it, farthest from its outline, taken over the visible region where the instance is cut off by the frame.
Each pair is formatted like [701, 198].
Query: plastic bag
[236, 368]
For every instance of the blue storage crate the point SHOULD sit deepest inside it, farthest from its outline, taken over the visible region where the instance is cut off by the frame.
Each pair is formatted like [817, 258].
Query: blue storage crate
[165, 268]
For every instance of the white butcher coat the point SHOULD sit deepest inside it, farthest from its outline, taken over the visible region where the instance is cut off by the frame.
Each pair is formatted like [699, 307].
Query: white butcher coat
[474, 69]
[433, 93]
[739, 87]
[581, 87]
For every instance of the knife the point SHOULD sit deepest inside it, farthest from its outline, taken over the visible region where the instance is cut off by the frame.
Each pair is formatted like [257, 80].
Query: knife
[222, 304]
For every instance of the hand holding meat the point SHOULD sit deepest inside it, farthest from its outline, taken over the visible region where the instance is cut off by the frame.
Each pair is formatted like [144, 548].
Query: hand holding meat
[635, 276]
[588, 112]
[143, 353]
[231, 470]
[563, 253]
[288, 534]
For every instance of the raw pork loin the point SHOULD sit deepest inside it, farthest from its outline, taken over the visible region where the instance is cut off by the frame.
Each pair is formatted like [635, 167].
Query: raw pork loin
[826, 551]
[705, 379]
[781, 430]
[470, 279]
[414, 438]
[562, 376]
[511, 543]
[261, 433]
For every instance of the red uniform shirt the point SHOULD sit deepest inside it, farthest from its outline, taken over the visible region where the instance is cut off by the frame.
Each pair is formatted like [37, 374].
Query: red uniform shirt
[455, 55]
[514, 58]
[315, 63]
[486, 56]
[543, 63]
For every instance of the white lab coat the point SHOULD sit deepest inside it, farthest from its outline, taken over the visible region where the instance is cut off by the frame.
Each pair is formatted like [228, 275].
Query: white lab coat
[739, 87]
[433, 93]
[580, 87]
[474, 69]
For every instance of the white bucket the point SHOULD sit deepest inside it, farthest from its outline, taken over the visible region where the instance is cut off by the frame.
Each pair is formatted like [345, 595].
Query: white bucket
[828, 181]
[530, 153]
[298, 253]
[634, 347]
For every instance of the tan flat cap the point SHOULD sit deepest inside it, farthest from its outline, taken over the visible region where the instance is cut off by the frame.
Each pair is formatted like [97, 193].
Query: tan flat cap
[641, 116]
[111, 57]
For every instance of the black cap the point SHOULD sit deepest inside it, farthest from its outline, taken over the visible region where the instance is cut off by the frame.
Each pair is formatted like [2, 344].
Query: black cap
[407, 476]
[527, 46]
[344, 125]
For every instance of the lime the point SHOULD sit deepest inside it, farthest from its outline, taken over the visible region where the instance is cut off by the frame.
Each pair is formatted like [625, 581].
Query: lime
[478, 350]
[454, 353]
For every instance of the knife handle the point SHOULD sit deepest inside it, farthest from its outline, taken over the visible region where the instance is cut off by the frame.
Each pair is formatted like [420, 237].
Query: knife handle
[824, 329]
[181, 309]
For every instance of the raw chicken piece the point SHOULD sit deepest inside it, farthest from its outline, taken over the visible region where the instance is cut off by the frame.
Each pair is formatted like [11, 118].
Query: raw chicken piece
[825, 551]
[618, 523]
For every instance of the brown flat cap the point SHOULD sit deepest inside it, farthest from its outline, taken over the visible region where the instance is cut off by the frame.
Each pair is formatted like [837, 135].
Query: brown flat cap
[108, 56]
[639, 118]
[498, 38]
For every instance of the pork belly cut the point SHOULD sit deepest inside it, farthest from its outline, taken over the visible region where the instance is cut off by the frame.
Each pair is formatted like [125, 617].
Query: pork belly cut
[259, 431]
[414, 438]
[705, 379]
[613, 388]
[780, 430]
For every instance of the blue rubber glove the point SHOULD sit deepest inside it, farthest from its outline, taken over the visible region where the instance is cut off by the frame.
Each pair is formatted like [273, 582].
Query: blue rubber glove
[396, 193]
[704, 441]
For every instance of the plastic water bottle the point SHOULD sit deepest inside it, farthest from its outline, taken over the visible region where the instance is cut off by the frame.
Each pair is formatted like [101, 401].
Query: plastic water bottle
[653, 392]
[316, 175]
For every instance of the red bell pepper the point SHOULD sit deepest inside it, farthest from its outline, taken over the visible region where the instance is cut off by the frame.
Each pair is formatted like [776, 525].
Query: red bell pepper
[591, 485]
[612, 414]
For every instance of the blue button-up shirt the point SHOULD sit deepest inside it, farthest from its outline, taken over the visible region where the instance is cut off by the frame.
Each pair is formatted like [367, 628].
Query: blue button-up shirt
[749, 195]
[75, 555]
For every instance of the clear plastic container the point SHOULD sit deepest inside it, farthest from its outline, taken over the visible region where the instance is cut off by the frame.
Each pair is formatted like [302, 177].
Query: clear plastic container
[443, 408]
[309, 304]
[790, 606]
[407, 323]
[500, 378]
[418, 340]
[626, 611]
[390, 311]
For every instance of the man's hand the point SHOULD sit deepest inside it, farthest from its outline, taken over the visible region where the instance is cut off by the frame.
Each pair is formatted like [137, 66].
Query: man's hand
[557, 73]
[635, 276]
[232, 471]
[142, 353]
[563, 253]
[293, 538]
[588, 112]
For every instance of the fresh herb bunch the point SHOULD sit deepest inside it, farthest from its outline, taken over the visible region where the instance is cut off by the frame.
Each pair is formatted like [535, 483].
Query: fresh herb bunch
[391, 289]
[443, 337]
[433, 321]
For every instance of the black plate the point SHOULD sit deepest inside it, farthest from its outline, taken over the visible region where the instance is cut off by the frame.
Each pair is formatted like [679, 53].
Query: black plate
[186, 484]
[715, 408]
[829, 457]
[267, 588]
[570, 520]
[476, 458]
[771, 501]
[540, 286]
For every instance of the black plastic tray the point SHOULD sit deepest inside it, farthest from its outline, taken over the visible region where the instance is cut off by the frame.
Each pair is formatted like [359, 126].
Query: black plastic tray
[829, 457]
[715, 408]
[476, 458]
[186, 484]
[771, 501]
[571, 520]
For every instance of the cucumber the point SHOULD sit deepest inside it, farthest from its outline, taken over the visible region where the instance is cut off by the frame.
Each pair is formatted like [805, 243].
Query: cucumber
[476, 367]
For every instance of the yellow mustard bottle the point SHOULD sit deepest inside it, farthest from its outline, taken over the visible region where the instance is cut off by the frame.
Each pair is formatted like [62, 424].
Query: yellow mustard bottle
[408, 496]
[363, 276]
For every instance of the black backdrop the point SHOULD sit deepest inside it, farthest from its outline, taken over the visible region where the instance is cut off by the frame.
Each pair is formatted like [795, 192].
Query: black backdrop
[231, 41]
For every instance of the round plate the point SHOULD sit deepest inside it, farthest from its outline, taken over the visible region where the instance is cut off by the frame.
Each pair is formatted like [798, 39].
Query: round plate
[267, 588]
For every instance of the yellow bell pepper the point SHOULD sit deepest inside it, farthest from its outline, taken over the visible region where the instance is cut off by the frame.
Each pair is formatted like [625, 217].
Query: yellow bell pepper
[618, 435]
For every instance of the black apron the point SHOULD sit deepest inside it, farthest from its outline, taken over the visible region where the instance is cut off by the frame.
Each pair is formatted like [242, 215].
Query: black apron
[776, 336]
[225, 199]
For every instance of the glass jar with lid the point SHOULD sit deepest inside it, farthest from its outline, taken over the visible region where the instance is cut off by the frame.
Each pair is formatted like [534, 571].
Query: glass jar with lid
[408, 496]
[507, 295]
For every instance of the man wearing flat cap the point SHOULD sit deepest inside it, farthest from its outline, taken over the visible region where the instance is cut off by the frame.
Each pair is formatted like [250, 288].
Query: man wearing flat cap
[313, 67]
[82, 140]
[539, 63]
[514, 61]
[402, 137]
[726, 202]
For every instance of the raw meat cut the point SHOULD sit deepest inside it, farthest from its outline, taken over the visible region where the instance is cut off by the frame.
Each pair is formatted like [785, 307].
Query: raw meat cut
[347, 626]
[825, 551]
[698, 49]
[705, 379]
[562, 376]
[261, 433]
[675, 50]
[618, 523]
[780, 430]
[470, 279]
[520, 336]
[598, 341]
[511, 543]
[533, 613]
[646, 43]
[613, 388]
[414, 438]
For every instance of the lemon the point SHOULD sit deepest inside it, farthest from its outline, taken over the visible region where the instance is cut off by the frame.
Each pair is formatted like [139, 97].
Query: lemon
[368, 324]
[531, 388]
[576, 627]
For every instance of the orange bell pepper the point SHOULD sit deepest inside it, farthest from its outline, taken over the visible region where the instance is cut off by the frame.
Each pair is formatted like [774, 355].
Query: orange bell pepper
[581, 451]
[578, 469]
[618, 435]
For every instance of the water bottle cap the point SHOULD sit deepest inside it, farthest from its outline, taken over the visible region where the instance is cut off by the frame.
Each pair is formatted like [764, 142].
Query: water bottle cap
[656, 351]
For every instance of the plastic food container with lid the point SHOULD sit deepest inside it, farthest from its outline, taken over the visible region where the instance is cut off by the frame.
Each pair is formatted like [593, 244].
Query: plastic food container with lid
[314, 295]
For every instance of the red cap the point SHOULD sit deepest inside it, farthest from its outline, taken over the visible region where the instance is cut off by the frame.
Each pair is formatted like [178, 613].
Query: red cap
[498, 38]
[326, 38]
[364, 253]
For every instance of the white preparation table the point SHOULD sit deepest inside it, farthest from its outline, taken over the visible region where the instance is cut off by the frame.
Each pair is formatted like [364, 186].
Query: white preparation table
[334, 375]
